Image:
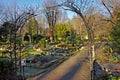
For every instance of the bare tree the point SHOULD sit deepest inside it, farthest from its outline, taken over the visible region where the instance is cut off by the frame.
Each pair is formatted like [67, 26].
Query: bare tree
[113, 8]
[51, 14]
[63, 16]
[41, 25]
[81, 7]
[78, 25]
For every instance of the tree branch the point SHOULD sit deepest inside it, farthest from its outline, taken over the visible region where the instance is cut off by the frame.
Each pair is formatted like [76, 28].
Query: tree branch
[107, 9]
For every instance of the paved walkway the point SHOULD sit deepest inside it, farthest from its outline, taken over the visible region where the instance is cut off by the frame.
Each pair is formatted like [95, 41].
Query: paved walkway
[75, 68]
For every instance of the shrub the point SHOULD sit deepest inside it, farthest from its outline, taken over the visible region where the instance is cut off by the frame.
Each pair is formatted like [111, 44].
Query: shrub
[72, 48]
[0, 54]
[2, 43]
[5, 52]
[114, 35]
[25, 43]
[42, 43]
[113, 77]
[107, 49]
[37, 38]
[6, 67]
[114, 59]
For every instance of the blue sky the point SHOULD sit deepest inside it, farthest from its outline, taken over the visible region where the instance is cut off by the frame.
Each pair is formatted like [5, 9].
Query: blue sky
[22, 3]
[36, 3]
[25, 3]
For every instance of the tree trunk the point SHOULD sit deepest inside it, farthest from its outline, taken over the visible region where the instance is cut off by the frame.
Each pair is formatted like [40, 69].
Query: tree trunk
[52, 36]
[91, 44]
[15, 54]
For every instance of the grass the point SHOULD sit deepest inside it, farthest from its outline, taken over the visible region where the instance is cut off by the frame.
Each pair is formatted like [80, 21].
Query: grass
[0, 54]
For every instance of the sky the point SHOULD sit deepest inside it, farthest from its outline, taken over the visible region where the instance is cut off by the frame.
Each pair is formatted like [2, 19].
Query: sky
[22, 2]
[39, 3]
[33, 3]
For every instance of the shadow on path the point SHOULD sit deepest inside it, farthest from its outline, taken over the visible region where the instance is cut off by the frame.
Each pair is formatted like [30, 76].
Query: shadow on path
[69, 70]
[73, 71]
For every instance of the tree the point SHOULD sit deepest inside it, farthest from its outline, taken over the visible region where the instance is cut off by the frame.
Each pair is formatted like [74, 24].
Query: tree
[81, 7]
[41, 25]
[51, 14]
[113, 8]
[4, 31]
[78, 25]
[100, 27]
[115, 37]
[63, 16]
[16, 19]
[62, 29]
[31, 27]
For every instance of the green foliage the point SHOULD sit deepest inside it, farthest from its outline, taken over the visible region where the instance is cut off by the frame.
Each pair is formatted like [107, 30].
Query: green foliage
[109, 77]
[6, 67]
[113, 77]
[42, 43]
[37, 38]
[5, 52]
[78, 39]
[31, 26]
[107, 49]
[72, 48]
[65, 32]
[2, 43]
[4, 30]
[0, 53]
[115, 36]
[25, 43]
[62, 30]
[12, 39]
[114, 59]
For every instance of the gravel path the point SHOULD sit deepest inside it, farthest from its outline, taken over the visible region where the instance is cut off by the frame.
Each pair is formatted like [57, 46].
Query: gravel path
[75, 68]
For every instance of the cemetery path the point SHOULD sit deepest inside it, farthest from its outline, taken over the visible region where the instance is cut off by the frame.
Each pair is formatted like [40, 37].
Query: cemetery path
[75, 68]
